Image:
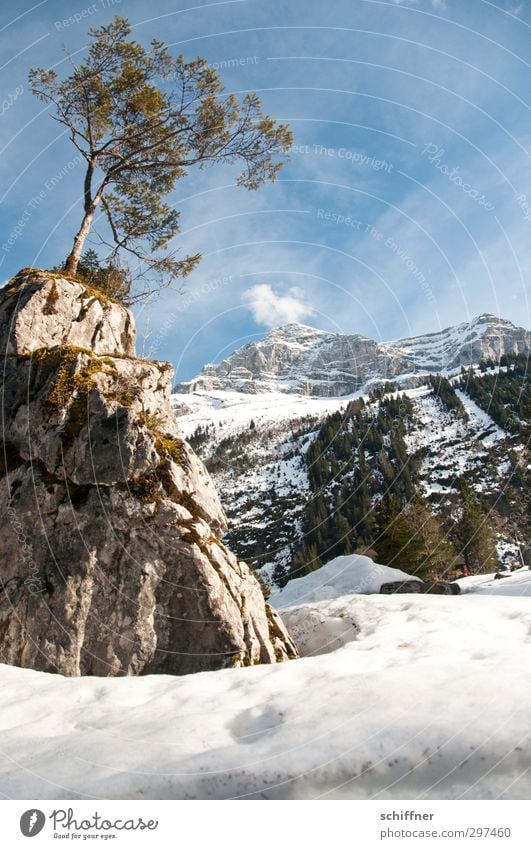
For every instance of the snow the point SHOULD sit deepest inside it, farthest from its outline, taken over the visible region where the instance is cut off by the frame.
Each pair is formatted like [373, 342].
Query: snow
[232, 412]
[436, 351]
[481, 420]
[350, 573]
[430, 627]
[453, 447]
[360, 716]
[416, 697]
[516, 583]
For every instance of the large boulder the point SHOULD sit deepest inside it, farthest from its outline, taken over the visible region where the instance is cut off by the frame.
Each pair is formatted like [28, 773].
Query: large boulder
[40, 310]
[392, 587]
[415, 585]
[111, 559]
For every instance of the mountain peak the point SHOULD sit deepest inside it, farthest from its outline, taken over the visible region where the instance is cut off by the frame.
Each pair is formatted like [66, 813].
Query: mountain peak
[490, 318]
[295, 329]
[299, 359]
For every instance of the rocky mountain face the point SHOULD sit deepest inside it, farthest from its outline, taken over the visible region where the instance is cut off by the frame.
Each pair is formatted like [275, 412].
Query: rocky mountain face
[300, 359]
[110, 527]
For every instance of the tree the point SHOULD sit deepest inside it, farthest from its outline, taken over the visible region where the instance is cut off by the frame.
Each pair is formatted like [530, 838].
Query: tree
[472, 534]
[411, 538]
[342, 535]
[396, 545]
[110, 279]
[140, 119]
[305, 561]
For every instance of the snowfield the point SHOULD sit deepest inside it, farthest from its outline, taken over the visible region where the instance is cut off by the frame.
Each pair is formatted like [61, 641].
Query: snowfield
[231, 412]
[404, 697]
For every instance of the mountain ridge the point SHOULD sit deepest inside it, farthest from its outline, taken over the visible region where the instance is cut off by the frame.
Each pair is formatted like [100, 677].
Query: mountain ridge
[299, 359]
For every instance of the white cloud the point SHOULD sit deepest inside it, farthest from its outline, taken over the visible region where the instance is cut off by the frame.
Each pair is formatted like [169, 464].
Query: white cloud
[270, 308]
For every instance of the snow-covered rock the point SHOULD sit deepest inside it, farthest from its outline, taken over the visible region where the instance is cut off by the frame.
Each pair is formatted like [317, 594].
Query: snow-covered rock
[485, 337]
[351, 573]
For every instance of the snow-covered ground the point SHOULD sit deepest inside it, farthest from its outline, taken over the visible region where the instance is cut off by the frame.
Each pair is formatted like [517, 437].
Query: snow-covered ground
[488, 430]
[516, 583]
[415, 697]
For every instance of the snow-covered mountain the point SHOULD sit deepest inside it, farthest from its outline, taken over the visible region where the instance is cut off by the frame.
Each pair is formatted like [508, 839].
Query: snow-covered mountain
[303, 360]
[254, 423]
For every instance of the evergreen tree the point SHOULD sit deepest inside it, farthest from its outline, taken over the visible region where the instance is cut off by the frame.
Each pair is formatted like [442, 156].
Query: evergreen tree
[411, 538]
[109, 278]
[305, 561]
[396, 545]
[472, 534]
[341, 533]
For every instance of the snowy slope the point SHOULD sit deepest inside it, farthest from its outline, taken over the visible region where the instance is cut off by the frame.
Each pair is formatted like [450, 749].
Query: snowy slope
[263, 486]
[423, 698]
[232, 412]
[516, 583]
[453, 446]
[264, 483]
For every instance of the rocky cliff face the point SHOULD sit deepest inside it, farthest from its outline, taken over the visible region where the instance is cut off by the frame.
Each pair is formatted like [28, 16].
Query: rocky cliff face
[299, 359]
[303, 360]
[111, 561]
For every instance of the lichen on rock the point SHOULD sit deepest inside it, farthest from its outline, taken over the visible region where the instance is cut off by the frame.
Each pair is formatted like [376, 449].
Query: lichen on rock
[110, 527]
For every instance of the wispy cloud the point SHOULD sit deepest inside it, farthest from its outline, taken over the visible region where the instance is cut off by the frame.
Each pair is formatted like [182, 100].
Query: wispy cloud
[271, 308]
[437, 4]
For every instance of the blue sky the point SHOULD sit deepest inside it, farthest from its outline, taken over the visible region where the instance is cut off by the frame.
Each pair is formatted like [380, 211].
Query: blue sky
[406, 203]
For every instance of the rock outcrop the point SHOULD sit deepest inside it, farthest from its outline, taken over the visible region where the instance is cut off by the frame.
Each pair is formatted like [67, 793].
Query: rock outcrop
[110, 527]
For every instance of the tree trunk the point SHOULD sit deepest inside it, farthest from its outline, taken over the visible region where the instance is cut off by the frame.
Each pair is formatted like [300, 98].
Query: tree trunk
[74, 256]
[90, 205]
